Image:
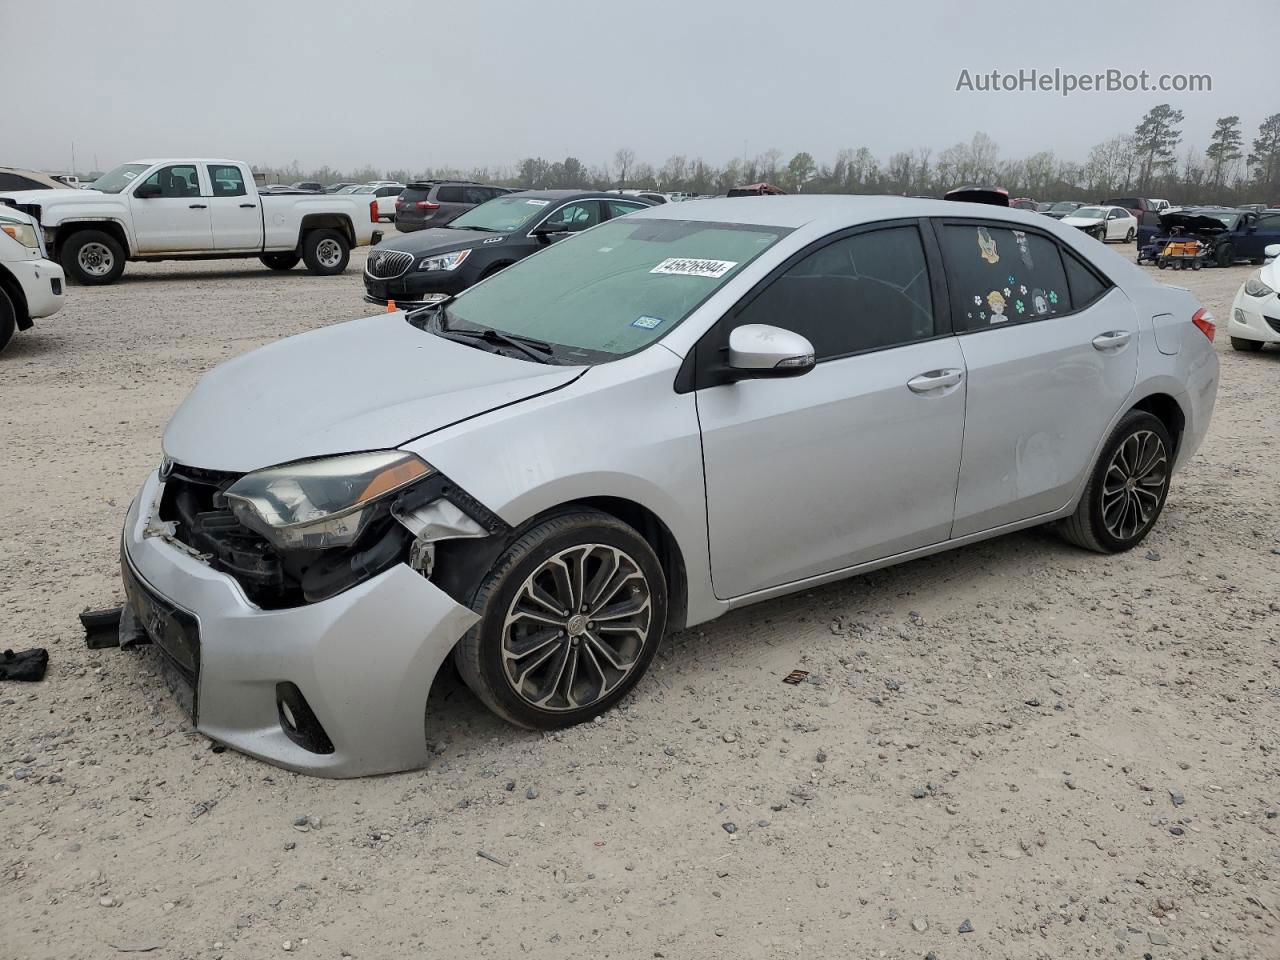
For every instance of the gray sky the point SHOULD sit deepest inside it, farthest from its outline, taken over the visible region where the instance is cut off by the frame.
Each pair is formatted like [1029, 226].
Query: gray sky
[398, 84]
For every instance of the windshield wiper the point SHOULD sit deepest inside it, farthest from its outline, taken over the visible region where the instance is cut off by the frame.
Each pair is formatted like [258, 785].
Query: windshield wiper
[538, 350]
[450, 226]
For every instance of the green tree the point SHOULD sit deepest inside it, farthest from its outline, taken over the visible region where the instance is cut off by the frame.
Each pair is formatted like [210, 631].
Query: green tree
[800, 171]
[1155, 139]
[1265, 158]
[1224, 148]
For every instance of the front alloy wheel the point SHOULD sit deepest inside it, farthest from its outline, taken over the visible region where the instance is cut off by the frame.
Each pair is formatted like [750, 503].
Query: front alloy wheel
[571, 616]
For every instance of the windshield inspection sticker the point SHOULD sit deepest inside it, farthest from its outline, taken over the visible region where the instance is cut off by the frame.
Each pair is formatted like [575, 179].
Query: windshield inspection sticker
[687, 267]
[537, 203]
[646, 323]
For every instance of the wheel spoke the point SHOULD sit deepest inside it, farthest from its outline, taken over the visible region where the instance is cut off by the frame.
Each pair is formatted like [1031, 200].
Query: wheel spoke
[610, 565]
[532, 643]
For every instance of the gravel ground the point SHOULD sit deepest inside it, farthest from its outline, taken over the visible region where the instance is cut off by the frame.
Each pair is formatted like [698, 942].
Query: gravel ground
[1012, 750]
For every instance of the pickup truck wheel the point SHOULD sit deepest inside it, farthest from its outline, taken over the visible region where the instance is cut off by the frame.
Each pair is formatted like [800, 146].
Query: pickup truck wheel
[8, 318]
[280, 261]
[92, 258]
[326, 252]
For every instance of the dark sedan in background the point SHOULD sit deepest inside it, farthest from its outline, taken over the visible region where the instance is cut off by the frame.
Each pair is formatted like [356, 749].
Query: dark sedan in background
[435, 264]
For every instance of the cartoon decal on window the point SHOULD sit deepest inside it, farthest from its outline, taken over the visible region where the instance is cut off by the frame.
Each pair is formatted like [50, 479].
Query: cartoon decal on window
[1024, 251]
[995, 300]
[1039, 302]
[987, 246]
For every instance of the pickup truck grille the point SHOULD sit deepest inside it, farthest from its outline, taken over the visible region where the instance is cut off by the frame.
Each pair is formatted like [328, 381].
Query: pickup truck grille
[387, 264]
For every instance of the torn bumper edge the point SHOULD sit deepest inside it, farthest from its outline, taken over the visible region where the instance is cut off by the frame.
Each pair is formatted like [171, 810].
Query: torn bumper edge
[364, 660]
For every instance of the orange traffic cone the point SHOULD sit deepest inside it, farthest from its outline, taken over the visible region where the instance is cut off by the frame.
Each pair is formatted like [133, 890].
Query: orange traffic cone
[391, 306]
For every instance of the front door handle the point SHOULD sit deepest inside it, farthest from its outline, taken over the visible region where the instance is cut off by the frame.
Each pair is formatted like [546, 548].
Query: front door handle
[1112, 339]
[247, 206]
[198, 206]
[935, 380]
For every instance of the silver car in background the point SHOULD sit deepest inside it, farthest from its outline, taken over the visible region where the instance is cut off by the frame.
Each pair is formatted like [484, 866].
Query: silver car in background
[693, 408]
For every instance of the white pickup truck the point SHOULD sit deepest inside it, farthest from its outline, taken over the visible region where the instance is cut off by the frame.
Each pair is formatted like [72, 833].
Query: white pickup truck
[199, 209]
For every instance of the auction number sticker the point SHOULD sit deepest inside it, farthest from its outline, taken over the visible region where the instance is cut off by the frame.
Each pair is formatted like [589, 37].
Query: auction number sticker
[537, 203]
[688, 267]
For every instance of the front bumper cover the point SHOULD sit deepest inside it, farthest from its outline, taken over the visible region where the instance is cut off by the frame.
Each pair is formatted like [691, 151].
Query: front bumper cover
[364, 660]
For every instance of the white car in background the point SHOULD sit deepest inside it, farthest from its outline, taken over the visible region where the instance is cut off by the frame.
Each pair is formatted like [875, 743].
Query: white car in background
[1104, 223]
[385, 194]
[1255, 312]
[31, 285]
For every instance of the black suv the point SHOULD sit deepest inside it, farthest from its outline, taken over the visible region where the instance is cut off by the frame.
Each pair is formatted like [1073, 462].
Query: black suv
[433, 203]
[436, 264]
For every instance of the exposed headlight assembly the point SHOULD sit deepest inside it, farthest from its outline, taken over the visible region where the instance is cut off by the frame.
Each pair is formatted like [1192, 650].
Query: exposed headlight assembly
[1254, 286]
[317, 504]
[444, 261]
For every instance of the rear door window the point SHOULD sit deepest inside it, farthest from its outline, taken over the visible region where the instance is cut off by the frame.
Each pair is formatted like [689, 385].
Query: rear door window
[476, 194]
[227, 180]
[450, 194]
[996, 274]
[620, 208]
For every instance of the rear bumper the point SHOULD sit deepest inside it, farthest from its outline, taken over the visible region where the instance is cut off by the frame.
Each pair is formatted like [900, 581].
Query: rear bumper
[364, 660]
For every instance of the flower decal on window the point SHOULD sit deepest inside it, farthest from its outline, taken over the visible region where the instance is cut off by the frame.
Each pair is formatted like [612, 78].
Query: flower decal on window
[1019, 306]
[1053, 296]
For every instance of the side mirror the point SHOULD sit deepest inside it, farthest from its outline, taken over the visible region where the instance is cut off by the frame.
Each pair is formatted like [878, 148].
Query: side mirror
[759, 351]
[147, 191]
[1272, 251]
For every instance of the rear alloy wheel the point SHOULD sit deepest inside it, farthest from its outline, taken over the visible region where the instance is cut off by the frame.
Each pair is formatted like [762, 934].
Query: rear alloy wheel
[326, 252]
[1245, 346]
[1127, 489]
[1128, 237]
[280, 261]
[571, 616]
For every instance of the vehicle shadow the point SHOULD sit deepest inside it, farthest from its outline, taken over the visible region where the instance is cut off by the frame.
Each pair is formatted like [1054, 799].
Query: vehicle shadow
[135, 276]
[456, 715]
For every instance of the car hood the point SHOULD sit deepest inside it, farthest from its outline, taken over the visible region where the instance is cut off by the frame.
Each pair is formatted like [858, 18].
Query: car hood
[1191, 221]
[439, 240]
[69, 195]
[1074, 221]
[363, 385]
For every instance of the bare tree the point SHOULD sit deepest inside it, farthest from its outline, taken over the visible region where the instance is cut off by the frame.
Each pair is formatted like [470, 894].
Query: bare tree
[623, 159]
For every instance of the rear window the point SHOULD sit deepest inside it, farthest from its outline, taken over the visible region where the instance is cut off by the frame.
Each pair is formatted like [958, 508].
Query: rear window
[414, 194]
[1000, 275]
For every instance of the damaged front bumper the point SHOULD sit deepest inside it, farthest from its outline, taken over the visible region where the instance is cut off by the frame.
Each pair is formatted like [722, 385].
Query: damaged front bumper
[336, 688]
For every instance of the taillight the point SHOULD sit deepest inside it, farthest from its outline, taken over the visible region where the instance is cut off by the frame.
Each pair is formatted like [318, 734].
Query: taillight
[1204, 320]
[427, 205]
[373, 211]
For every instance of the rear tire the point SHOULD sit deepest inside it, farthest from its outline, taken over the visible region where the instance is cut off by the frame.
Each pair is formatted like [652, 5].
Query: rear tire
[92, 258]
[1128, 237]
[1245, 346]
[326, 252]
[1127, 488]
[8, 318]
[537, 658]
[280, 261]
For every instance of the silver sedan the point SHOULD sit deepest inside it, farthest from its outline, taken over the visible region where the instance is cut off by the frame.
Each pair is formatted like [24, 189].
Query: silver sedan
[678, 412]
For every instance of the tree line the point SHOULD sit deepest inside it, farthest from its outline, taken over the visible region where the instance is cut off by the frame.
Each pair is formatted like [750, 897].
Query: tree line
[1150, 161]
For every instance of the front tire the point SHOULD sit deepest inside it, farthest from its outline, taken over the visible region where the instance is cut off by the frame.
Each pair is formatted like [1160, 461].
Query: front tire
[1225, 255]
[92, 258]
[280, 261]
[8, 318]
[326, 252]
[571, 616]
[1245, 346]
[1127, 489]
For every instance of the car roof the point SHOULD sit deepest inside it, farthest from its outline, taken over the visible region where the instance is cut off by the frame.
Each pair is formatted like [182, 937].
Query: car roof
[555, 195]
[831, 211]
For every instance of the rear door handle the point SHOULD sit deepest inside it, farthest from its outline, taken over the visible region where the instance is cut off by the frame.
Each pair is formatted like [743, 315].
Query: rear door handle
[935, 380]
[247, 206]
[1112, 339]
[199, 206]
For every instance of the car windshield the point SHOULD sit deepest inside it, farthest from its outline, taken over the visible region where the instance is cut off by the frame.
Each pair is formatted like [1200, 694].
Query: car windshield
[365, 189]
[119, 178]
[614, 289]
[502, 214]
[1228, 220]
[1090, 213]
[1066, 205]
